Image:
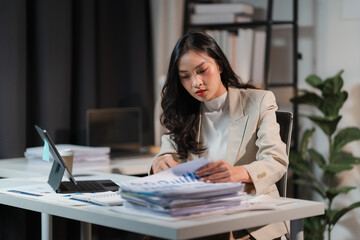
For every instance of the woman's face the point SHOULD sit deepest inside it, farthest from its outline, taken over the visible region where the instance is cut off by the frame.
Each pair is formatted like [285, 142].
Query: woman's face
[200, 76]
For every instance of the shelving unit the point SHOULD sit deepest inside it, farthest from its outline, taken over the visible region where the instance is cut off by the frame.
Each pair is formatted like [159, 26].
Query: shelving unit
[268, 24]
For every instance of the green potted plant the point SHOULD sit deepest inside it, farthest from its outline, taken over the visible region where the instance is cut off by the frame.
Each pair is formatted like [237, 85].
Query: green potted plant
[305, 160]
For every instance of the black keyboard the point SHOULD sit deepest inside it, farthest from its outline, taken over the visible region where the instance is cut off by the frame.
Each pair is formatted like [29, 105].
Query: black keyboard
[88, 186]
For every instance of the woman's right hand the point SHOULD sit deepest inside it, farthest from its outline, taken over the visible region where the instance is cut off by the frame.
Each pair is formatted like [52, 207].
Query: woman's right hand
[162, 163]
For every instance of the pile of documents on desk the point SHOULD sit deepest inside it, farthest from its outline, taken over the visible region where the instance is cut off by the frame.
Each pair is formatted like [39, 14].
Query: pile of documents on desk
[178, 192]
[83, 155]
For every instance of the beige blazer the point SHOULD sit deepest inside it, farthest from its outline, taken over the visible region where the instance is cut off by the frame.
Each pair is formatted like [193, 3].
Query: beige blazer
[253, 142]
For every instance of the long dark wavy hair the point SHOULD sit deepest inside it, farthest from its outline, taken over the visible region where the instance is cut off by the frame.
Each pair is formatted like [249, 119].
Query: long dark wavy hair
[180, 110]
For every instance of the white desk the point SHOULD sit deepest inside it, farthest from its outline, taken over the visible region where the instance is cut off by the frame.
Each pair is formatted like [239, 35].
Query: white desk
[20, 167]
[184, 229]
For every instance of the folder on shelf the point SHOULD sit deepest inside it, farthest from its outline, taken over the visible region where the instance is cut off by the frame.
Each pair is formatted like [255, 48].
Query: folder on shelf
[244, 54]
[257, 68]
[223, 7]
[218, 18]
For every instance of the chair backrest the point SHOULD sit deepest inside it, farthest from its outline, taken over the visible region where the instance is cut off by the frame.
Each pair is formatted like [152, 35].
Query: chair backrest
[117, 128]
[285, 120]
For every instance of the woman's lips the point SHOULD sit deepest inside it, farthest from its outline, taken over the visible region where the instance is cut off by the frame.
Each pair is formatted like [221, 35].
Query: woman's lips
[200, 92]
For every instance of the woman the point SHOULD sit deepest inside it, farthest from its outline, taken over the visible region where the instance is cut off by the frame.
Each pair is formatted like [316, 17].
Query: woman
[209, 113]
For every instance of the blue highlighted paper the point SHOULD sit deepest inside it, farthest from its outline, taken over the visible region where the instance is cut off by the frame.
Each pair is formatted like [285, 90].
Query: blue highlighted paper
[46, 151]
[177, 181]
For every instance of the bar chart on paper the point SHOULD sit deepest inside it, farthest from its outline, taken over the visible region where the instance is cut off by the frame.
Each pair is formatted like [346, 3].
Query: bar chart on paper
[178, 192]
[176, 181]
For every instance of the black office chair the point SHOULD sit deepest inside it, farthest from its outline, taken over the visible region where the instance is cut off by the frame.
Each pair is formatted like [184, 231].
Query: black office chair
[285, 120]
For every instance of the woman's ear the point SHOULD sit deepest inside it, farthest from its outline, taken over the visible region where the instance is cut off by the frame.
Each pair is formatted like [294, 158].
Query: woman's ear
[219, 65]
[220, 69]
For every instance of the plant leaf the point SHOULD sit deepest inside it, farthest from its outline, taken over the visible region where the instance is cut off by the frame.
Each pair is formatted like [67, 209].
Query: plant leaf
[333, 192]
[307, 136]
[308, 98]
[336, 167]
[344, 137]
[317, 157]
[333, 85]
[331, 105]
[307, 183]
[314, 227]
[344, 157]
[333, 98]
[343, 211]
[297, 164]
[327, 124]
[315, 81]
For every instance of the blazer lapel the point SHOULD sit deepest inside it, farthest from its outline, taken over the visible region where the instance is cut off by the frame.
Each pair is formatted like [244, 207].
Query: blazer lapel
[237, 124]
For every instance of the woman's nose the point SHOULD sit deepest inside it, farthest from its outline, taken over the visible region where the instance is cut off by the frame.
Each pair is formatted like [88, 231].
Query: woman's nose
[196, 81]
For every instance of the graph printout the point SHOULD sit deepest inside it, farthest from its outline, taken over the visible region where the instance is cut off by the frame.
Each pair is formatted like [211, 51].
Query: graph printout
[179, 180]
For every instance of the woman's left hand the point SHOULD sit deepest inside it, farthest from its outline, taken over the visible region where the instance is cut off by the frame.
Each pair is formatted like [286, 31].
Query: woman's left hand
[221, 171]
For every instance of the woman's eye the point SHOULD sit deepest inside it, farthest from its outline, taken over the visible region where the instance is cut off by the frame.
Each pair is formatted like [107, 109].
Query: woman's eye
[184, 76]
[203, 70]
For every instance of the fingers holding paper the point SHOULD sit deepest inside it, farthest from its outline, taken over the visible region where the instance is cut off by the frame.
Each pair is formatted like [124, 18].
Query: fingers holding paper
[163, 163]
[221, 171]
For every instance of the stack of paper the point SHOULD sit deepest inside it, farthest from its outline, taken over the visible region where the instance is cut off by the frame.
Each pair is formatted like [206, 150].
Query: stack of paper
[83, 155]
[178, 192]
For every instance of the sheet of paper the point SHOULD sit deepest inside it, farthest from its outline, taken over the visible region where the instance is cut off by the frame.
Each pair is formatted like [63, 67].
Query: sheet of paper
[264, 199]
[179, 180]
[161, 216]
[102, 198]
[36, 189]
[264, 202]
[42, 192]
